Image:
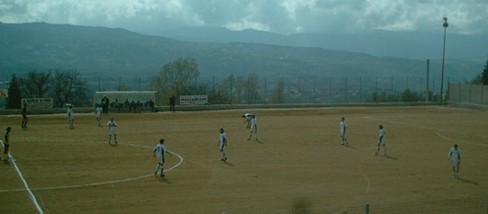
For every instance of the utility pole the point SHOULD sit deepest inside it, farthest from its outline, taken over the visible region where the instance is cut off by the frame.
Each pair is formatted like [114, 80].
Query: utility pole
[445, 25]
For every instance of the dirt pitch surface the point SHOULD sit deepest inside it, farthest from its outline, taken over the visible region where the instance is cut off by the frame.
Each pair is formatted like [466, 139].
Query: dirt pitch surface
[297, 162]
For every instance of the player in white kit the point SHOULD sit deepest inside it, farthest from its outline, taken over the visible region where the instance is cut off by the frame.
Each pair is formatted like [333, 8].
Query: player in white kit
[247, 119]
[454, 155]
[71, 117]
[342, 131]
[222, 144]
[98, 114]
[159, 151]
[254, 128]
[111, 131]
[381, 141]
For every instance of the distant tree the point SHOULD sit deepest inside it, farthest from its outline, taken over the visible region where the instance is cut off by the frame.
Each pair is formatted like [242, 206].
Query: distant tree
[476, 80]
[68, 87]
[251, 92]
[409, 96]
[36, 84]
[377, 97]
[227, 88]
[240, 88]
[176, 78]
[278, 94]
[14, 94]
[484, 75]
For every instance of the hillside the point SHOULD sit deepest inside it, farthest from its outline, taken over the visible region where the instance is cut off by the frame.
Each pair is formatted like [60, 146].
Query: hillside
[410, 45]
[107, 57]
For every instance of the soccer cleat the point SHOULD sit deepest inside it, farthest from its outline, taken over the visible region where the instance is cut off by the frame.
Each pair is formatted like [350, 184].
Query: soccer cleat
[162, 175]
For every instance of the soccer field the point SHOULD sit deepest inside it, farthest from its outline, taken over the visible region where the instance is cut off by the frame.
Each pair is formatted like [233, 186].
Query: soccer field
[297, 162]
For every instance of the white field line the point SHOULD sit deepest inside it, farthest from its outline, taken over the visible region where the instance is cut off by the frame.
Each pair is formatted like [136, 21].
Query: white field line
[438, 130]
[368, 186]
[101, 182]
[26, 185]
[452, 139]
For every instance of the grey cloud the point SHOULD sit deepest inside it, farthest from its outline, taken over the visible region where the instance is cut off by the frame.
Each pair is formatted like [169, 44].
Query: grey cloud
[280, 16]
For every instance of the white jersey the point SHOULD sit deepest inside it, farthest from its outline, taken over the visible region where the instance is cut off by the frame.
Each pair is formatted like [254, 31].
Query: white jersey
[454, 155]
[342, 127]
[254, 123]
[223, 140]
[382, 136]
[111, 126]
[98, 112]
[159, 150]
[71, 114]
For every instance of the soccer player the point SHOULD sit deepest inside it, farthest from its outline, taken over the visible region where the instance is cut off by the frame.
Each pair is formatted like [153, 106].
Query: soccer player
[381, 141]
[159, 151]
[172, 103]
[222, 144]
[105, 104]
[24, 117]
[454, 155]
[111, 131]
[98, 114]
[6, 143]
[254, 128]
[247, 119]
[71, 117]
[342, 131]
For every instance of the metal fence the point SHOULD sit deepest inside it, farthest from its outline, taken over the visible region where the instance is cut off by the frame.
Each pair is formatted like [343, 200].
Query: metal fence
[335, 89]
[468, 94]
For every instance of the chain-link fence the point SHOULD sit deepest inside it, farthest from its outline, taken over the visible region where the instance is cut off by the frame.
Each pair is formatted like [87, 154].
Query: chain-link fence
[468, 94]
[329, 90]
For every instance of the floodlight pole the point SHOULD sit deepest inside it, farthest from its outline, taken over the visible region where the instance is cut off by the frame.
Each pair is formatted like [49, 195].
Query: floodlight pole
[445, 25]
[427, 82]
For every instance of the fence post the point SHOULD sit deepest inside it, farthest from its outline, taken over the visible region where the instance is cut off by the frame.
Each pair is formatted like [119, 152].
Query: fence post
[366, 208]
[481, 98]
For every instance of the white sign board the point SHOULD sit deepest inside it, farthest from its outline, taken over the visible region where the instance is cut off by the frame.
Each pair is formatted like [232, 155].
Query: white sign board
[193, 99]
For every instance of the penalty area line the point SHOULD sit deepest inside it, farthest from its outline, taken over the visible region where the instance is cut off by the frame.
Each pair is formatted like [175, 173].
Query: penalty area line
[181, 159]
[26, 185]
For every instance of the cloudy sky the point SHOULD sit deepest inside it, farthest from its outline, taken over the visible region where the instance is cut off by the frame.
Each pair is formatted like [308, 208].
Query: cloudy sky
[278, 16]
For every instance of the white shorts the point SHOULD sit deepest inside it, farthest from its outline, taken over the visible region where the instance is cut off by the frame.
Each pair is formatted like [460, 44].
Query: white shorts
[454, 161]
[160, 159]
[111, 131]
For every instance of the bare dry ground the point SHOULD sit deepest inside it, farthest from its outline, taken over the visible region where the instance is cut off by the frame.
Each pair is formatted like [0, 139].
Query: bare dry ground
[297, 162]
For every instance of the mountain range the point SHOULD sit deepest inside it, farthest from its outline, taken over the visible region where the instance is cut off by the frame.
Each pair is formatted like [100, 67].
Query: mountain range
[107, 57]
[410, 45]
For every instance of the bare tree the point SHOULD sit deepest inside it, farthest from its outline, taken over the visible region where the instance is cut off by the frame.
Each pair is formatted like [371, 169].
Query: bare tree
[252, 94]
[36, 84]
[278, 94]
[176, 78]
[68, 87]
[228, 87]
